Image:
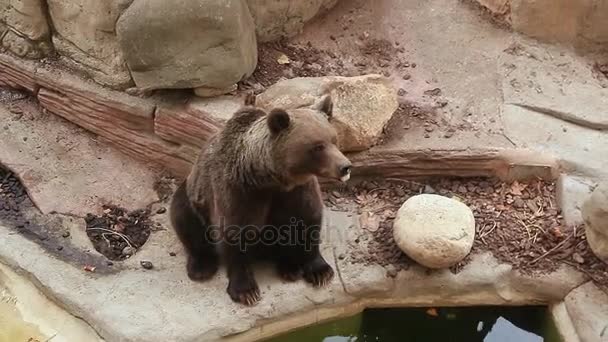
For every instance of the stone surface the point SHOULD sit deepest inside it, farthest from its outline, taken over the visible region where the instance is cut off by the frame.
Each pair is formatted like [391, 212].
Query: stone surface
[24, 47]
[556, 20]
[435, 231]
[587, 307]
[535, 81]
[284, 18]
[563, 323]
[64, 169]
[84, 31]
[213, 46]
[17, 74]
[21, 301]
[572, 192]
[171, 307]
[496, 6]
[213, 92]
[595, 215]
[195, 122]
[593, 27]
[554, 104]
[363, 105]
[581, 23]
[28, 17]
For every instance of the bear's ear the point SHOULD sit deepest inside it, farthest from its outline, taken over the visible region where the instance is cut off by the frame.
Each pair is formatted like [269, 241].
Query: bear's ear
[278, 120]
[326, 106]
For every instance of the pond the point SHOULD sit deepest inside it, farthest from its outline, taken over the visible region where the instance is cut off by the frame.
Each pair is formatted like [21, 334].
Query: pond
[483, 324]
[12, 327]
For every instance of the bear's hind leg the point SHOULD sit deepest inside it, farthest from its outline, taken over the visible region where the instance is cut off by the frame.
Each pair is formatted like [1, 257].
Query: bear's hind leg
[194, 234]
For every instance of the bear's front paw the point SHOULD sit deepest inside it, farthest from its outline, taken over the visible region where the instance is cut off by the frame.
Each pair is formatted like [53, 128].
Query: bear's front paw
[318, 273]
[288, 272]
[201, 270]
[244, 291]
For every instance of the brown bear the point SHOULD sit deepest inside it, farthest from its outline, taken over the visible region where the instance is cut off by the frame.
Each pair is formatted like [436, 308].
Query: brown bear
[253, 193]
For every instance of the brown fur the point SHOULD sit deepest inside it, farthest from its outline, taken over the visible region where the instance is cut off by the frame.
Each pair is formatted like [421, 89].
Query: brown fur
[260, 171]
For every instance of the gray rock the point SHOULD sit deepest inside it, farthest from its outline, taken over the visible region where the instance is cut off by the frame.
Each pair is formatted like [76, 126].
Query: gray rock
[572, 191]
[146, 265]
[188, 43]
[587, 306]
[363, 105]
[595, 215]
[435, 231]
[84, 32]
[26, 16]
[128, 251]
[284, 18]
[24, 47]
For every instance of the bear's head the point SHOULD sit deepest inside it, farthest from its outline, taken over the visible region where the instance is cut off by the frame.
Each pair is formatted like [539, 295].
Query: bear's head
[305, 144]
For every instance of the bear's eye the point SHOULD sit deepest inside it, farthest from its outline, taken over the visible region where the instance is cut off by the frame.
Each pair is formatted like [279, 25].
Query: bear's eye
[318, 148]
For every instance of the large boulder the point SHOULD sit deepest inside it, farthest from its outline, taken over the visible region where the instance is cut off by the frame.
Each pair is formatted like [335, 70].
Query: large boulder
[595, 215]
[284, 18]
[435, 231]
[578, 22]
[188, 43]
[363, 105]
[29, 34]
[84, 31]
[28, 17]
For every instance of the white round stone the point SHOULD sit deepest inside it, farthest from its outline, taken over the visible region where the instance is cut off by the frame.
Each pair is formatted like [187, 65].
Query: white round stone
[435, 231]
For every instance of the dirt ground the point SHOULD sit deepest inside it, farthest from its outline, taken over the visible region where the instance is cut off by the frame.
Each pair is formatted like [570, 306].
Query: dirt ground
[519, 223]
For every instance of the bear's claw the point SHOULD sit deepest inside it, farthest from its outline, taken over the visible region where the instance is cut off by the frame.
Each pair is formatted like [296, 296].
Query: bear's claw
[319, 275]
[247, 293]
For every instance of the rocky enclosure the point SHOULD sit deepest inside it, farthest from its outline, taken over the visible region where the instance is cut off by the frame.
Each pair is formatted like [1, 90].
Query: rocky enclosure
[150, 45]
[577, 22]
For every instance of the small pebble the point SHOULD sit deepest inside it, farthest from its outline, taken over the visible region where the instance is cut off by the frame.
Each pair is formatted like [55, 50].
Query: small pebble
[59, 248]
[519, 203]
[429, 189]
[147, 265]
[578, 258]
[172, 254]
[128, 251]
[109, 263]
[391, 271]
[161, 210]
[66, 234]
[407, 77]
[401, 92]
[341, 256]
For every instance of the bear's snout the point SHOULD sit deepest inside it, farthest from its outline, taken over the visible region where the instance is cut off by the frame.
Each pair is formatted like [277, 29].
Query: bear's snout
[345, 171]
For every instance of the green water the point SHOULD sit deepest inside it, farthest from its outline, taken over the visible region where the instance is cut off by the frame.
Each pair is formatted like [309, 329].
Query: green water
[483, 324]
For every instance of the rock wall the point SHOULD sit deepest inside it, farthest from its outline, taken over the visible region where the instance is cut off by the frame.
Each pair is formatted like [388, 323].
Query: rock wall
[24, 29]
[275, 19]
[582, 23]
[153, 44]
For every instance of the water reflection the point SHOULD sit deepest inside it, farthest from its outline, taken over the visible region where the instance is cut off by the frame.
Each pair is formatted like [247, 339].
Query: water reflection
[487, 324]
